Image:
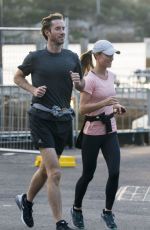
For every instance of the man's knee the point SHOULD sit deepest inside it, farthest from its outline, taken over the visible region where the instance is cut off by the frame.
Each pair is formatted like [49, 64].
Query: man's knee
[55, 176]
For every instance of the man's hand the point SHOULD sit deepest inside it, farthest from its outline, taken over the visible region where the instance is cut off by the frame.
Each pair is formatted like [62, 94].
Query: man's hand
[75, 77]
[40, 91]
[78, 83]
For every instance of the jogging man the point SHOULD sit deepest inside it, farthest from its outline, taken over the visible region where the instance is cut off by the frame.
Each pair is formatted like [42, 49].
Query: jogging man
[54, 71]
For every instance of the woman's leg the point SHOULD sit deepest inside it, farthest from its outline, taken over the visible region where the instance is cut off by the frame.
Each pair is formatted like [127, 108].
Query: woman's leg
[111, 153]
[90, 150]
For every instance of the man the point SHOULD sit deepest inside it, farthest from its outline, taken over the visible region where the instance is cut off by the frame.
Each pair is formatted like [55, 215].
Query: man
[54, 71]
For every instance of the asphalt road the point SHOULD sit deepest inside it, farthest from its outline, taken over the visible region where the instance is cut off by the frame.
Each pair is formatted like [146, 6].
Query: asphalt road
[132, 206]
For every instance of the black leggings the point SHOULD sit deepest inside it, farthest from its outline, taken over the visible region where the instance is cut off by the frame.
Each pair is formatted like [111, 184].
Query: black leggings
[109, 146]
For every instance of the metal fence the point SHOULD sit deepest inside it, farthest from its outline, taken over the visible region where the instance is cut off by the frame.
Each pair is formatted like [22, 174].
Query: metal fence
[14, 127]
[15, 102]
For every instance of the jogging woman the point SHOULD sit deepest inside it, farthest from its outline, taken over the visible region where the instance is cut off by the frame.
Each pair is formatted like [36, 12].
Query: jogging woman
[99, 104]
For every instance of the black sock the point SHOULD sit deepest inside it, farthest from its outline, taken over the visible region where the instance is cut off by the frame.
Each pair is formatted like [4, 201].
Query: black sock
[60, 222]
[28, 202]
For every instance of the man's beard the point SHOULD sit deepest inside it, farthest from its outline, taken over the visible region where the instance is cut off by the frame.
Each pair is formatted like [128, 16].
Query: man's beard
[60, 42]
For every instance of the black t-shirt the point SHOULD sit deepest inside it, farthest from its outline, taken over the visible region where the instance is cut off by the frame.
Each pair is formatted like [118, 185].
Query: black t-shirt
[52, 70]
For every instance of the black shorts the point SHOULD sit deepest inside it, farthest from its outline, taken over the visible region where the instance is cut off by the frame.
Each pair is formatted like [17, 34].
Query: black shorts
[49, 134]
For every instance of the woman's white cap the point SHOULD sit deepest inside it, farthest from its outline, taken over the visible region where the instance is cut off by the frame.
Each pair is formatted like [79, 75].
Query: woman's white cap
[105, 47]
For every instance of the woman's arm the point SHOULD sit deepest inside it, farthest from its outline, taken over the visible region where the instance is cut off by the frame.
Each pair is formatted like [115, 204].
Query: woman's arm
[87, 107]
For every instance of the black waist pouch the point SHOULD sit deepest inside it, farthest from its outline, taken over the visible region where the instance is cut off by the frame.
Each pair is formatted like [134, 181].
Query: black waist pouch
[78, 143]
[105, 119]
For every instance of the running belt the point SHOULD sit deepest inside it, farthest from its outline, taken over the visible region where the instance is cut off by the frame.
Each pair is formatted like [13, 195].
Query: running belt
[55, 110]
[105, 119]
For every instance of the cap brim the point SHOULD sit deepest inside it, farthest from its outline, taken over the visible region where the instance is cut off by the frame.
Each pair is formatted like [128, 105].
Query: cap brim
[111, 51]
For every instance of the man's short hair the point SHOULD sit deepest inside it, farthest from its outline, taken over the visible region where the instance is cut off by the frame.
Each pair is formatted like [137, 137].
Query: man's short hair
[47, 22]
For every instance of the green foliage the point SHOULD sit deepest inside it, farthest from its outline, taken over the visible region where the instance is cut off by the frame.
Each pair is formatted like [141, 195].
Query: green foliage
[30, 12]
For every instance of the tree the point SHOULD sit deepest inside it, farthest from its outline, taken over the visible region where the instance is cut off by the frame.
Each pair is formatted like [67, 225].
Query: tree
[30, 12]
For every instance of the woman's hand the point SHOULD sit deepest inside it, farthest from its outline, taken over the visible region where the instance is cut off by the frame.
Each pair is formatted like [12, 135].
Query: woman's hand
[119, 109]
[110, 101]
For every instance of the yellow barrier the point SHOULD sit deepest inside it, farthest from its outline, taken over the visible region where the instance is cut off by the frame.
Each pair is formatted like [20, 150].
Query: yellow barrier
[64, 161]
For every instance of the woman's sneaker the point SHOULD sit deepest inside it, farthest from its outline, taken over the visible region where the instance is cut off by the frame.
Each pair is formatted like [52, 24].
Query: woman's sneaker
[26, 209]
[77, 218]
[62, 225]
[108, 218]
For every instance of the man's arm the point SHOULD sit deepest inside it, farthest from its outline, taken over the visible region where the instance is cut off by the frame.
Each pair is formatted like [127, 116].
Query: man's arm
[19, 79]
[78, 83]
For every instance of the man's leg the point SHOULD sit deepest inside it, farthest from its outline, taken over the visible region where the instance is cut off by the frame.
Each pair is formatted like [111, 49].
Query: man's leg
[24, 201]
[37, 182]
[52, 167]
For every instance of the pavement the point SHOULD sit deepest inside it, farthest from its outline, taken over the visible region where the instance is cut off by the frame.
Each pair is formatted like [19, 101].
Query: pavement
[131, 208]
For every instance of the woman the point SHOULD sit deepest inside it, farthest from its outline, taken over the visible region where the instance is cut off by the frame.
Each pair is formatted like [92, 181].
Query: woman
[98, 104]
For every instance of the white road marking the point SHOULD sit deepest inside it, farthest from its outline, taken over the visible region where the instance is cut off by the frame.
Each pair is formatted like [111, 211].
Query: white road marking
[147, 194]
[8, 154]
[120, 192]
[7, 205]
[133, 193]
